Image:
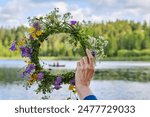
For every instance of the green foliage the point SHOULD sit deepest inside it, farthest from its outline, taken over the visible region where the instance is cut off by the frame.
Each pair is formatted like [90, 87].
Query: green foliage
[133, 53]
[126, 38]
[121, 35]
[145, 52]
[7, 36]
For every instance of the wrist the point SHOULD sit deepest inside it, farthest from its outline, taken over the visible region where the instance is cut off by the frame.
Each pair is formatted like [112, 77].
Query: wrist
[83, 91]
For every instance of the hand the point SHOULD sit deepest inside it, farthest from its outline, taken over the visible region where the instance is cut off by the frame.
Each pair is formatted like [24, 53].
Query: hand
[84, 74]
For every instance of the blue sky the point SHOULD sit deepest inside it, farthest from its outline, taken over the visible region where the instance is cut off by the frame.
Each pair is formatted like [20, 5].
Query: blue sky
[15, 12]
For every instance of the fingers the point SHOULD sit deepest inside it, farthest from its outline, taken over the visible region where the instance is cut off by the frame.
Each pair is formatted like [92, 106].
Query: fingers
[83, 63]
[85, 60]
[90, 57]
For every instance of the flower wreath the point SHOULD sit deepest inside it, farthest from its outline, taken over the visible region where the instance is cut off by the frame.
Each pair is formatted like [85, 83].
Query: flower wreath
[40, 29]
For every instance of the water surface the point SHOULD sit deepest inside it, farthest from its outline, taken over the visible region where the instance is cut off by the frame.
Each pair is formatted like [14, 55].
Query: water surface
[114, 88]
[72, 64]
[104, 90]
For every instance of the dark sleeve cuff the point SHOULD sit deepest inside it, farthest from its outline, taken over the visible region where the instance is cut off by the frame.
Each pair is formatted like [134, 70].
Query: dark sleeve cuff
[90, 97]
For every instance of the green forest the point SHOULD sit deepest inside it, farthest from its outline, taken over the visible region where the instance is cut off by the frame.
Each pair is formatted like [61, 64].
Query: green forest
[128, 40]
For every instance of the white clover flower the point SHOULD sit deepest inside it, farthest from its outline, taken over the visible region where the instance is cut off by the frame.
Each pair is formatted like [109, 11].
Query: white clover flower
[92, 40]
[105, 43]
[27, 35]
[101, 37]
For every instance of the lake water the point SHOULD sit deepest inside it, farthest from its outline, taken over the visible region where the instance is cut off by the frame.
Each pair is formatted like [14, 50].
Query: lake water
[105, 89]
[72, 64]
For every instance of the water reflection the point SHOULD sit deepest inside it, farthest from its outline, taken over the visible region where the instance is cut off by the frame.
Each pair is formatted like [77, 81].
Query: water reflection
[104, 90]
[115, 80]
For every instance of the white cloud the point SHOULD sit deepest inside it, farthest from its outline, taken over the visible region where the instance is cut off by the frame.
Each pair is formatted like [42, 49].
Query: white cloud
[103, 2]
[138, 3]
[15, 12]
[12, 13]
[61, 5]
[135, 11]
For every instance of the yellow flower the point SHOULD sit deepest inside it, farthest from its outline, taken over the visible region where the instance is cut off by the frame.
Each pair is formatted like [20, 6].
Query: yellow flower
[33, 35]
[21, 42]
[30, 82]
[38, 33]
[31, 30]
[29, 62]
[71, 87]
[34, 77]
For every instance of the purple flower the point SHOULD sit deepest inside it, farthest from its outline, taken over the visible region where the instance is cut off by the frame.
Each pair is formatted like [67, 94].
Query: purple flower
[73, 22]
[57, 87]
[29, 68]
[23, 75]
[40, 76]
[36, 25]
[26, 51]
[57, 82]
[93, 53]
[72, 81]
[13, 46]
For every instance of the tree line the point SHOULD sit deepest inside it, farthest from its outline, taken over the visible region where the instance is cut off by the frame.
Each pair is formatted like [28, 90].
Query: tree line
[126, 39]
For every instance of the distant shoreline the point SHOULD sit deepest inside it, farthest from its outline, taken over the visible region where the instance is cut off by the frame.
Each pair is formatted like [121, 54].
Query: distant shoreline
[140, 58]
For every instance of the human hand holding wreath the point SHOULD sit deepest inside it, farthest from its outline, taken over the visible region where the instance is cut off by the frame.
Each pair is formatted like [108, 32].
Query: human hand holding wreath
[84, 74]
[40, 29]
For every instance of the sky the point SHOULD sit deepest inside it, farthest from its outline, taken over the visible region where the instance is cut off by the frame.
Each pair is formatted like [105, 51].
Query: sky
[15, 12]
